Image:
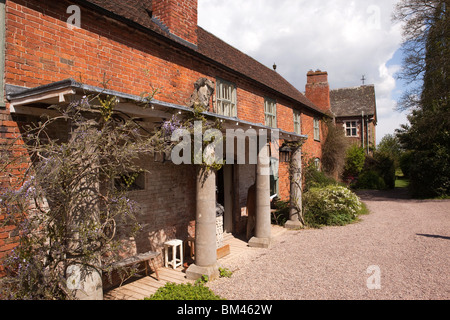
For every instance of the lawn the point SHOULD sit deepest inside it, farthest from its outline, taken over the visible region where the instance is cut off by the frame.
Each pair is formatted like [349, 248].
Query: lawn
[400, 180]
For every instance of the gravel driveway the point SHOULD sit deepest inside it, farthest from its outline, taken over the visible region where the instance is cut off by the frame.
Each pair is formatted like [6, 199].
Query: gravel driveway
[401, 250]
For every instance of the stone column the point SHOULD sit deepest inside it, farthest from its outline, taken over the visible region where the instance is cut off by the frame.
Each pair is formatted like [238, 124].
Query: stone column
[263, 226]
[295, 171]
[205, 228]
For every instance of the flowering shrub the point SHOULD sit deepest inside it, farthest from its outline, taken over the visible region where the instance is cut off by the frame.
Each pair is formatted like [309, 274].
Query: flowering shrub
[66, 210]
[330, 206]
[70, 204]
[172, 291]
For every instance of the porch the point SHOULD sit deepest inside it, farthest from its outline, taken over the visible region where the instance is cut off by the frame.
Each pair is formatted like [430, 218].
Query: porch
[140, 287]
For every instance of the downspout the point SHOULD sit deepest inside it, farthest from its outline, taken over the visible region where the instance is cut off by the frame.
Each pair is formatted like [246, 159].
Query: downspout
[2, 53]
[368, 134]
[362, 129]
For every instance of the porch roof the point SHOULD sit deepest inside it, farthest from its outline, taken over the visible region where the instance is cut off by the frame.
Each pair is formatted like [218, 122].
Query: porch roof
[35, 100]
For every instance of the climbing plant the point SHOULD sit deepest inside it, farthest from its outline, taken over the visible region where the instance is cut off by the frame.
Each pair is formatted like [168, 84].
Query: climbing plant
[65, 203]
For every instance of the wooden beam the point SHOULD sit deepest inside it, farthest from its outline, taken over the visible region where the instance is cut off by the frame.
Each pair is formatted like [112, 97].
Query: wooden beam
[132, 109]
[57, 96]
[32, 111]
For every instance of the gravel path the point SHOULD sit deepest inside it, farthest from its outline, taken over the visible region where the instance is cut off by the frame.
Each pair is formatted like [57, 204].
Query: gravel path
[407, 240]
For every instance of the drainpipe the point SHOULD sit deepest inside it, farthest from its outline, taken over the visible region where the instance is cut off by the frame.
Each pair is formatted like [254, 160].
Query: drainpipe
[2, 53]
[368, 134]
[362, 129]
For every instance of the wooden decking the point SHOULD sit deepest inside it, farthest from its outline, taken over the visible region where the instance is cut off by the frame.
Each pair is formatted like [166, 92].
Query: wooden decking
[146, 286]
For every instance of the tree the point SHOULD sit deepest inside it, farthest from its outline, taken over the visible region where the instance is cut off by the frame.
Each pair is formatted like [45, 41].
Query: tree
[67, 209]
[334, 150]
[427, 63]
[390, 145]
[425, 48]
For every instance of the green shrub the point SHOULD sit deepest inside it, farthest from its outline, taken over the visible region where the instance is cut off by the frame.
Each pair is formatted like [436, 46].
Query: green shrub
[281, 215]
[172, 291]
[315, 178]
[370, 180]
[386, 168]
[406, 160]
[430, 173]
[354, 161]
[330, 206]
[381, 165]
[225, 273]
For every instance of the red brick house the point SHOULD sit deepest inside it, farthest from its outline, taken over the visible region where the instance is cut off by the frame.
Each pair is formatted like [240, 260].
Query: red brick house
[355, 110]
[54, 51]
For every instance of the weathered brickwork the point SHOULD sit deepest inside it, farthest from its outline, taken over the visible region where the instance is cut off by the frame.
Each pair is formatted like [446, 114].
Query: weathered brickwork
[312, 148]
[317, 89]
[167, 205]
[42, 48]
[179, 16]
[358, 139]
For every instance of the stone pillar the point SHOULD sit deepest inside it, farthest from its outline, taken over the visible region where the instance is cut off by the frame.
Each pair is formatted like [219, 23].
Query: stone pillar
[295, 214]
[263, 226]
[205, 228]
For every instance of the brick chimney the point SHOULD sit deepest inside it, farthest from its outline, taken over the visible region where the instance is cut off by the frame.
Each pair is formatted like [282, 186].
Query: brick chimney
[179, 16]
[318, 89]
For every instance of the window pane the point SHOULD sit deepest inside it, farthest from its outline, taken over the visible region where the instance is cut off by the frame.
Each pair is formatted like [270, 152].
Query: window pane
[270, 112]
[316, 129]
[226, 99]
[354, 131]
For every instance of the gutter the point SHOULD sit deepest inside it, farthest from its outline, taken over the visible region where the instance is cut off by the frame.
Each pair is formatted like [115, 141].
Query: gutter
[20, 96]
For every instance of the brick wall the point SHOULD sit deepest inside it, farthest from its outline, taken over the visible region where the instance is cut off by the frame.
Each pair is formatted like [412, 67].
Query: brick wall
[284, 186]
[9, 131]
[317, 89]
[41, 48]
[358, 139]
[38, 39]
[312, 148]
[180, 16]
[167, 205]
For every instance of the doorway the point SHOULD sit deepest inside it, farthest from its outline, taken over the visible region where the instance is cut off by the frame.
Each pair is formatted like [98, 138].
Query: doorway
[224, 195]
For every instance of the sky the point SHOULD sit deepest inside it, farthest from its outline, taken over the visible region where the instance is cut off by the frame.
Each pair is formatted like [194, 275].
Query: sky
[347, 39]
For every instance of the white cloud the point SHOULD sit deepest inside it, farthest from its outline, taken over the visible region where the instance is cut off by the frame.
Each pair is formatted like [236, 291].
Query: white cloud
[345, 38]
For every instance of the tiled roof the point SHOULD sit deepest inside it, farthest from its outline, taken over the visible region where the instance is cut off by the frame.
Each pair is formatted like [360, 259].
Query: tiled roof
[208, 46]
[135, 10]
[349, 102]
[219, 51]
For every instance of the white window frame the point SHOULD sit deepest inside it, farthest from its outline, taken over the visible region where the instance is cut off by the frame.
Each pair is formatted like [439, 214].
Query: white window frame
[226, 98]
[270, 112]
[348, 125]
[297, 122]
[316, 126]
